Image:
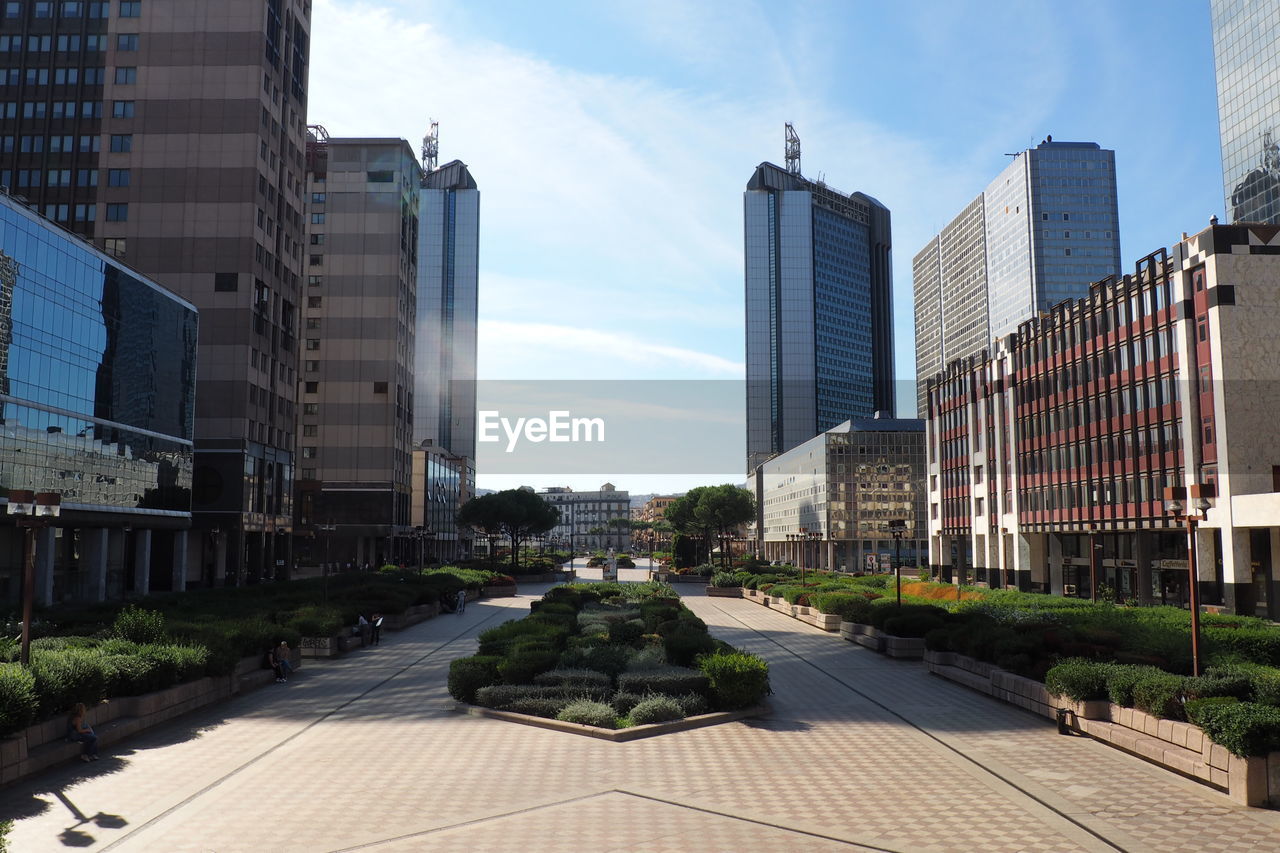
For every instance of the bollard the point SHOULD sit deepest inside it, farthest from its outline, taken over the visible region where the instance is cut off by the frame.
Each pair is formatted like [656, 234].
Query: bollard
[1063, 727]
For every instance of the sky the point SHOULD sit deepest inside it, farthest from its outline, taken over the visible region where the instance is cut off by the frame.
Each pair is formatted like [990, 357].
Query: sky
[612, 142]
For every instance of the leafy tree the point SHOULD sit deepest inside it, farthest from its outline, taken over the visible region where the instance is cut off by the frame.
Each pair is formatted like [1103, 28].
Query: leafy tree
[518, 514]
[711, 511]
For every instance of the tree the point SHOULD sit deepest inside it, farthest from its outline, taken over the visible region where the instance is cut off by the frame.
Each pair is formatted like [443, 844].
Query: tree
[517, 514]
[708, 511]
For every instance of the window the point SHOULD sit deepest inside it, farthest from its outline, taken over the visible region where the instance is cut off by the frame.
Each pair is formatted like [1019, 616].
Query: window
[381, 177]
[44, 10]
[310, 430]
[308, 453]
[317, 219]
[121, 142]
[977, 506]
[313, 301]
[13, 10]
[315, 260]
[317, 239]
[118, 177]
[317, 198]
[127, 42]
[1208, 430]
[1066, 217]
[311, 366]
[72, 8]
[130, 9]
[313, 322]
[314, 280]
[95, 44]
[225, 282]
[114, 246]
[37, 76]
[87, 178]
[379, 387]
[1202, 328]
[86, 212]
[126, 75]
[310, 408]
[311, 387]
[94, 76]
[69, 44]
[117, 213]
[122, 109]
[313, 344]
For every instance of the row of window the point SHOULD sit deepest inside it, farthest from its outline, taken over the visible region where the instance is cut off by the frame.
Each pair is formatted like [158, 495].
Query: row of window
[59, 76]
[120, 142]
[73, 8]
[67, 43]
[65, 109]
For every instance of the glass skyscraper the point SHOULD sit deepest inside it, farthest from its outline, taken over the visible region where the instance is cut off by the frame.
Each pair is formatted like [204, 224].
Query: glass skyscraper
[819, 306]
[1039, 234]
[1247, 63]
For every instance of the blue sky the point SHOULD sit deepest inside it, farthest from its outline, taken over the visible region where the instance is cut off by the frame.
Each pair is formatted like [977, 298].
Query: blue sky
[612, 141]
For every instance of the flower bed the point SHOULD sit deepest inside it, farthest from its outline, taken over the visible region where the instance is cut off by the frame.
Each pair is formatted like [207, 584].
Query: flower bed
[608, 656]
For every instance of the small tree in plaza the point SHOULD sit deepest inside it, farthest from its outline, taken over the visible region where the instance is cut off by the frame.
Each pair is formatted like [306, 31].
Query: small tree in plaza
[711, 511]
[517, 514]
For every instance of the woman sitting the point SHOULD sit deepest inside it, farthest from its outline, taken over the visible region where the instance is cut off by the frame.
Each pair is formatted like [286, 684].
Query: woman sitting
[79, 730]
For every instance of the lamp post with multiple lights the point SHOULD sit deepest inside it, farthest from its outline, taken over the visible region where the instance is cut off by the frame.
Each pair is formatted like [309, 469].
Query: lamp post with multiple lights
[33, 510]
[1191, 507]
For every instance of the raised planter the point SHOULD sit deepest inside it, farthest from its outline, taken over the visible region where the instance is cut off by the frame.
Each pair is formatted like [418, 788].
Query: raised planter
[699, 579]
[724, 591]
[825, 621]
[616, 735]
[321, 647]
[907, 648]
[499, 590]
[851, 630]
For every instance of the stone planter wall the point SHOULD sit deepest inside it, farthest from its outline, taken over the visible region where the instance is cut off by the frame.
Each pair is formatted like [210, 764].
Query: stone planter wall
[499, 590]
[44, 744]
[1177, 746]
[724, 591]
[700, 579]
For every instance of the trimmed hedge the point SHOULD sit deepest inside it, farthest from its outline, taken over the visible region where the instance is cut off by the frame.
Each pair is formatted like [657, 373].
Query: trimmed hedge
[1244, 728]
[656, 709]
[1079, 680]
[1160, 695]
[737, 679]
[467, 675]
[670, 680]
[18, 698]
[850, 607]
[574, 678]
[588, 713]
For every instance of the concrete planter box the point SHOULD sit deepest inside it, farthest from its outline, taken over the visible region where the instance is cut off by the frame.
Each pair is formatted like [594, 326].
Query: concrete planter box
[500, 590]
[907, 648]
[825, 621]
[870, 638]
[698, 579]
[724, 591]
[321, 647]
[852, 630]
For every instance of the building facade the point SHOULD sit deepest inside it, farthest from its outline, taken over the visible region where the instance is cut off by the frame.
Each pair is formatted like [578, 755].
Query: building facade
[441, 485]
[449, 253]
[172, 134]
[1050, 452]
[356, 421]
[97, 404]
[1246, 59]
[819, 309]
[1044, 229]
[843, 488]
[590, 521]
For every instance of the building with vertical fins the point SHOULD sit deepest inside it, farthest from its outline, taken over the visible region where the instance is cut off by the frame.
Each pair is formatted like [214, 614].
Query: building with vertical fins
[355, 427]
[1246, 61]
[819, 305]
[1044, 229]
[444, 408]
[172, 135]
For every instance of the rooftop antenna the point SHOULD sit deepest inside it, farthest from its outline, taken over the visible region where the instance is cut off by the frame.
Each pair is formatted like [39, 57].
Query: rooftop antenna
[793, 150]
[431, 148]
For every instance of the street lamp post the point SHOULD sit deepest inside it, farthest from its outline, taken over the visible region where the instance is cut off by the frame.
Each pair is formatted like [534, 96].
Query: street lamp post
[33, 511]
[1094, 547]
[897, 527]
[1196, 505]
[328, 530]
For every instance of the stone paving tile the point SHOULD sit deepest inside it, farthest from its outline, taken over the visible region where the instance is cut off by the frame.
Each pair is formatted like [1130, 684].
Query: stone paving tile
[360, 752]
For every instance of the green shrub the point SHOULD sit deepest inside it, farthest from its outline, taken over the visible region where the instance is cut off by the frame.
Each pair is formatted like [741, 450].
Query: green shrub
[467, 675]
[1198, 709]
[623, 701]
[913, 624]
[131, 674]
[506, 697]
[1078, 679]
[67, 676]
[498, 640]
[520, 667]
[608, 659]
[693, 704]
[726, 580]
[1244, 728]
[1121, 679]
[850, 607]
[882, 613]
[648, 657]
[1160, 695]
[1266, 685]
[574, 678]
[671, 680]
[18, 703]
[625, 633]
[538, 706]
[139, 626]
[1258, 644]
[316, 621]
[656, 709]
[588, 713]
[1219, 682]
[685, 643]
[737, 679]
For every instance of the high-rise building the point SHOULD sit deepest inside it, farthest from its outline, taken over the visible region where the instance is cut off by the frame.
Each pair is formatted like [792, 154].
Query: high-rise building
[819, 304]
[97, 373]
[1044, 229]
[449, 248]
[1247, 61]
[172, 134]
[355, 427]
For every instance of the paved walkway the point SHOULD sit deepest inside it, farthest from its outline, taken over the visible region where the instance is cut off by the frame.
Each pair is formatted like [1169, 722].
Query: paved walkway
[860, 752]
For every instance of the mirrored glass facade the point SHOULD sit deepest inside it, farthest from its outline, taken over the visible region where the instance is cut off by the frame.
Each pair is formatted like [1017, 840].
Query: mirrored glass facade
[97, 374]
[1247, 62]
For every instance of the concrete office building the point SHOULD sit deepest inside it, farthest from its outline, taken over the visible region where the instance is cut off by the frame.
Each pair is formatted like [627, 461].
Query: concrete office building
[1050, 452]
[819, 309]
[1247, 62]
[588, 520]
[172, 134]
[355, 426]
[97, 405]
[843, 487]
[1043, 230]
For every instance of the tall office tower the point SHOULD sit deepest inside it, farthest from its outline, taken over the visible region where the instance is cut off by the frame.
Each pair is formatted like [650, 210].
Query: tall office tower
[819, 301]
[1039, 234]
[354, 465]
[1247, 61]
[445, 364]
[172, 134]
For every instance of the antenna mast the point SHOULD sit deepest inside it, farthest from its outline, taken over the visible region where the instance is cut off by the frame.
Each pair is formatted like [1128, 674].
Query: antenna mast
[431, 148]
[793, 150]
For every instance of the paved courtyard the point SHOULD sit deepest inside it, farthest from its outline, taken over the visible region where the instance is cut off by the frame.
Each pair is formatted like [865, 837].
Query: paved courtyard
[859, 752]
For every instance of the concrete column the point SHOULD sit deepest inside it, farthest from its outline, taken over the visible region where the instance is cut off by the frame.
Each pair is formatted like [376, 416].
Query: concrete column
[1238, 593]
[220, 559]
[142, 561]
[1031, 562]
[1055, 564]
[93, 555]
[1207, 564]
[46, 542]
[831, 554]
[1142, 564]
[180, 561]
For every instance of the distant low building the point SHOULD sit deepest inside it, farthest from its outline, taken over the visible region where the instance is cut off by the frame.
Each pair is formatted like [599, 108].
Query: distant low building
[590, 520]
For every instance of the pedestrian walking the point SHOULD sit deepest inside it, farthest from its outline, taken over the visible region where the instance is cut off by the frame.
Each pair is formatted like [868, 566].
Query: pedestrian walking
[377, 628]
[79, 730]
[282, 658]
[462, 601]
